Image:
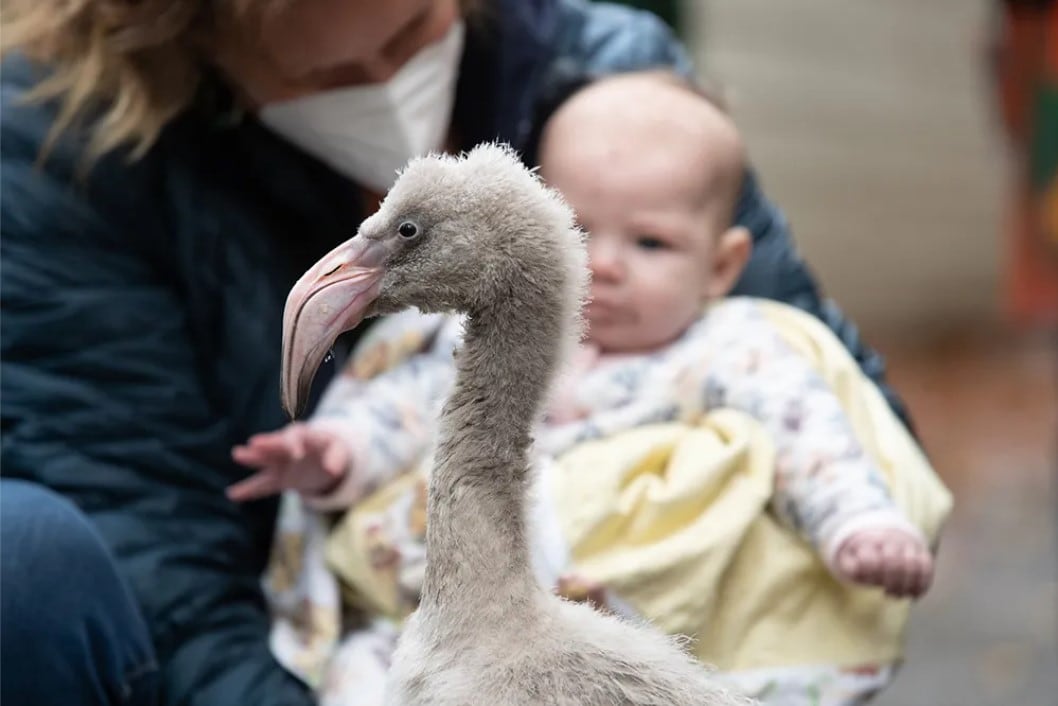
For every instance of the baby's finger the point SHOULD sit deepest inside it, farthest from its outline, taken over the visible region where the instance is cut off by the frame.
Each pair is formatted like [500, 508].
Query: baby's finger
[869, 563]
[918, 575]
[915, 580]
[903, 569]
[259, 485]
[271, 444]
[924, 574]
[285, 450]
[249, 456]
[897, 568]
[265, 438]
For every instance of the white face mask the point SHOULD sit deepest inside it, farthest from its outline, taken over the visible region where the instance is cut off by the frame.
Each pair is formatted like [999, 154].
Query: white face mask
[369, 132]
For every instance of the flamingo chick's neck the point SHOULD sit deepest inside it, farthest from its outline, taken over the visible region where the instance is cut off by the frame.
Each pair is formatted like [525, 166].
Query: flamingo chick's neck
[477, 548]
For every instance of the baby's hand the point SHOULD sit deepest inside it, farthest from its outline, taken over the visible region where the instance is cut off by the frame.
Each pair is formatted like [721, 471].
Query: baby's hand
[579, 589]
[297, 457]
[895, 560]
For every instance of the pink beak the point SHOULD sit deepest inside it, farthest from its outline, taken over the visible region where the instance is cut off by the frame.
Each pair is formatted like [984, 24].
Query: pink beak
[330, 299]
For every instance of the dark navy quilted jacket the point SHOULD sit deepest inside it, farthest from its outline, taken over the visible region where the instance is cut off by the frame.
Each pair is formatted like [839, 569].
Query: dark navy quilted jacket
[141, 312]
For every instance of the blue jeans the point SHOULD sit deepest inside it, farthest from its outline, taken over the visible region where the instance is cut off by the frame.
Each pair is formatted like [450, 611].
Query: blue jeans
[70, 632]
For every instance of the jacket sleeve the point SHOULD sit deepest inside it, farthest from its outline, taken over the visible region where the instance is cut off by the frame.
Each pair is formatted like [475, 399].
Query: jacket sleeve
[595, 39]
[102, 401]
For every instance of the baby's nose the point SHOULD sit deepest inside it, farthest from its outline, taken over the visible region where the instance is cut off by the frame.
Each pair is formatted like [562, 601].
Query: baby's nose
[605, 262]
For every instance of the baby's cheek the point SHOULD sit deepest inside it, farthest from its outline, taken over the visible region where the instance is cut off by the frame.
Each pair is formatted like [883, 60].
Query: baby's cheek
[670, 310]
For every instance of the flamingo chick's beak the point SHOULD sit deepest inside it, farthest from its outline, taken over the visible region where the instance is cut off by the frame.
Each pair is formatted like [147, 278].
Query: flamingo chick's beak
[330, 299]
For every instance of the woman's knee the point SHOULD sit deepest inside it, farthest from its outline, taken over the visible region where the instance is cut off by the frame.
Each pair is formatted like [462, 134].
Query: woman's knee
[71, 630]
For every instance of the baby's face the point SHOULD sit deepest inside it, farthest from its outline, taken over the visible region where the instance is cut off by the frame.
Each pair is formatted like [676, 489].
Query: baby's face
[650, 238]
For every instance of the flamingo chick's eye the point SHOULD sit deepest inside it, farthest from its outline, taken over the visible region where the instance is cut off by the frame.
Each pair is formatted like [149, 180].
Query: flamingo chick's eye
[408, 230]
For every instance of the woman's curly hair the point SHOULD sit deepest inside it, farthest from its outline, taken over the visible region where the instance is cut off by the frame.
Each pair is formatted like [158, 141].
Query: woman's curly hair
[124, 68]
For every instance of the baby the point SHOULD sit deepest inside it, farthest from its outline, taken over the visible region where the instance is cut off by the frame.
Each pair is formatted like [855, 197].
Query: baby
[661, 245]
[662, 341]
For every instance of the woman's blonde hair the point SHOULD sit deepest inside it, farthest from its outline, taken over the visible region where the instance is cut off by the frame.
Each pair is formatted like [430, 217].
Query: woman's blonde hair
[124, 67]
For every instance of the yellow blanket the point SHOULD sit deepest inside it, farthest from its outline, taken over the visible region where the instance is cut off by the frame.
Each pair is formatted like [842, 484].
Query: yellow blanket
[673, 519]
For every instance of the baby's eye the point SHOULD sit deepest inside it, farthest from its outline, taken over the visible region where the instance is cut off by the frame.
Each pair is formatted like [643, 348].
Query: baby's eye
[650, 242]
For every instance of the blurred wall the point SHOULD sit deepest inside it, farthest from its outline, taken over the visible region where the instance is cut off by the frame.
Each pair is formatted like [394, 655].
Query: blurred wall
[871, 126]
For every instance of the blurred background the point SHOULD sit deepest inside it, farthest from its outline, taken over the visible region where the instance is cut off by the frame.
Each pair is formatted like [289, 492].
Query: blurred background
[913, 145]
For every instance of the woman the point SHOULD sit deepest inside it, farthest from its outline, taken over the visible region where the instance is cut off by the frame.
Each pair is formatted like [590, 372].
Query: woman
[195, 157]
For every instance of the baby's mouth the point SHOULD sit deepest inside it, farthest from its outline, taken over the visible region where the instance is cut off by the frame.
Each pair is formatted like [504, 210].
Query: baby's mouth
[602, 312]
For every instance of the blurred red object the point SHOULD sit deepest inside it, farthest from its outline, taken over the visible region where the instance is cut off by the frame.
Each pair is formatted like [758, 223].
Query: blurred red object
[1026, 83]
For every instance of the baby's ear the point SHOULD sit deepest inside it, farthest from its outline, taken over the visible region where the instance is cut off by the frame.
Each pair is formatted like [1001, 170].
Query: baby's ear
[732, 251]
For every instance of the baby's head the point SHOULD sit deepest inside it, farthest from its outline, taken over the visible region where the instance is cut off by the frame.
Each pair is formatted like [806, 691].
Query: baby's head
[653, 170]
